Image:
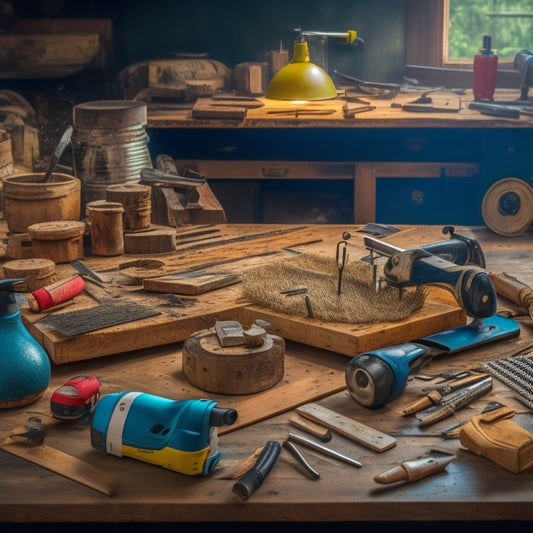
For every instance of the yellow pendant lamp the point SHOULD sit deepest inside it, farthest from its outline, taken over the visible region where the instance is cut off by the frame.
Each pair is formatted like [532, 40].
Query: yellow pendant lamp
[301, 79]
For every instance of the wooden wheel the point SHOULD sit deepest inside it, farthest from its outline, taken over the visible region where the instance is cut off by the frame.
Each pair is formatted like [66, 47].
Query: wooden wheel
[507, 207]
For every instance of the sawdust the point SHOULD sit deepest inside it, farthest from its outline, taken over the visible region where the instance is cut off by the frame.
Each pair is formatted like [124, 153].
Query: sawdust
[315, 279]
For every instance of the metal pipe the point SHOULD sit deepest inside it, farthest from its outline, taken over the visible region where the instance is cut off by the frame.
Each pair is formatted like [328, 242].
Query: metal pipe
[323, 449]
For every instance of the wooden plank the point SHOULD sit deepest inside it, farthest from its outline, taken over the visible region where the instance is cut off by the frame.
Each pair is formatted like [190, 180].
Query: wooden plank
[353, 339]
[102, 26]
[196, 284]
[360, 433]
[306, 379]
[365, 193]
[185, 318]
[201, 110]
[65, 465]
[319, 383]
[46, 55]
[220, 169]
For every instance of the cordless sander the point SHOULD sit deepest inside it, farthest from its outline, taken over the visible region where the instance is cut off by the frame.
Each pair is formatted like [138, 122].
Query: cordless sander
[457, 264]
[180, 435]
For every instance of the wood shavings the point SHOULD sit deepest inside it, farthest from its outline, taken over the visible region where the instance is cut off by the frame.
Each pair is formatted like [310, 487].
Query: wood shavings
[358, 303]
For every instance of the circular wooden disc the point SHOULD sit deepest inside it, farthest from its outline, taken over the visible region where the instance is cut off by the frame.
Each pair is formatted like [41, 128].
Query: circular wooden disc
[141, 269]
[232, 369]
[36, 273]
[56, 230]
[507, 207]
[110, 114]
[29, 268]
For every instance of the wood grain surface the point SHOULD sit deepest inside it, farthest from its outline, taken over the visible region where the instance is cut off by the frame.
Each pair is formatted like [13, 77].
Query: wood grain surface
[230, 251]
[471, 488]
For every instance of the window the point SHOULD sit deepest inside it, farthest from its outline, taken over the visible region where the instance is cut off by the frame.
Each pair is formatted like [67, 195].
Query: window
[441, 44]
[508, 22]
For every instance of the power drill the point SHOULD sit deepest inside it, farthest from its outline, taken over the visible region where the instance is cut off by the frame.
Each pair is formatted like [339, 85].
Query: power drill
[180, 435]
[379, 376]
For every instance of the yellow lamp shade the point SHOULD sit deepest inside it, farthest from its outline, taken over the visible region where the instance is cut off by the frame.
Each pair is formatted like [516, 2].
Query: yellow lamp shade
[301, 79]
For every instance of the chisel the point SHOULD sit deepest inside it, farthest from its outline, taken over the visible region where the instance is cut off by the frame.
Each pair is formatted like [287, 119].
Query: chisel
[513, 289]
[410, 471]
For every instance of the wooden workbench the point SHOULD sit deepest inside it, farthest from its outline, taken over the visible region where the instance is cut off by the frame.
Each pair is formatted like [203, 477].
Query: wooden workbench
[470, 489]
[387, 112]
[460, 150]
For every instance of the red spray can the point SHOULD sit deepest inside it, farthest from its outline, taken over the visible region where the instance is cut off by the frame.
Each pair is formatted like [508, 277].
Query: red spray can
[485, 71]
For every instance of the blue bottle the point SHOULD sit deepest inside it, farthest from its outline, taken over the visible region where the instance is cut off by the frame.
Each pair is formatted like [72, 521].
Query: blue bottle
[24, 365]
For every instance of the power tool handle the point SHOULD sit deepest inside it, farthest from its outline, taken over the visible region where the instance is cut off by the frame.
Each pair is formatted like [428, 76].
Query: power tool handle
[470, 285]
[511, 288]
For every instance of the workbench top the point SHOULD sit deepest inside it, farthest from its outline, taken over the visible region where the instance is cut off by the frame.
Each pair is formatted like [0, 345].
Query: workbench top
[470, 489]
[386, 113]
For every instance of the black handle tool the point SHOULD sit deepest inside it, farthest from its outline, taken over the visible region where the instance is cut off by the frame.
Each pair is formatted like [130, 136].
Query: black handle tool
[254, 478]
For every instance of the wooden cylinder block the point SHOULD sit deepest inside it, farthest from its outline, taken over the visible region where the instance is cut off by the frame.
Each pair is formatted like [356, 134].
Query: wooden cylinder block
[107, 237]
[233, 369]
[35, 272]
[28, 200]
[137, 202]
[61, 241]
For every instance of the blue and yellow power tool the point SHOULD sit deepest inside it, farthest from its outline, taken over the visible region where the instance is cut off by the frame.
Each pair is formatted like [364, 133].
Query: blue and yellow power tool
[180, 435]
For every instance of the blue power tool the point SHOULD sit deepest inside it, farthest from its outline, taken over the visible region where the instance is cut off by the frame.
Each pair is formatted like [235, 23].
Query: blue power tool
[377, 377]
[456, 264]
[179, 435]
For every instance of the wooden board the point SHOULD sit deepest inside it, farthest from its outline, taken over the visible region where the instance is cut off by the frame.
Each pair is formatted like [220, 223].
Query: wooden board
[183, 316]
[352, 429]
[203, 109]
[64, 464]
[158, 371]
[353, 339]
[46, 56]
[196, 284]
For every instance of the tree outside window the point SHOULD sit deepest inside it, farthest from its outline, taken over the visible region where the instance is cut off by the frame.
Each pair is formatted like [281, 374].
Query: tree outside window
[508, 22]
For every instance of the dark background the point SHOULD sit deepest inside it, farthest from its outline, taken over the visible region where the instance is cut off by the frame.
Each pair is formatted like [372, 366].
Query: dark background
[234, 31]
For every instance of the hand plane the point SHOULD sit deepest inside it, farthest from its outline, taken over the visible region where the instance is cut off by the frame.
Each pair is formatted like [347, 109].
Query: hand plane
[186, 185]
[456, 264]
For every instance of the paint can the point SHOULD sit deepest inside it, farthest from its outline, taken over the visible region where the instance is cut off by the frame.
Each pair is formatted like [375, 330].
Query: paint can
[109, 145]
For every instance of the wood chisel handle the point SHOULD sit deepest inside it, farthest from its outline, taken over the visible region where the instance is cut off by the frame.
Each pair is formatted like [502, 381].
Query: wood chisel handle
[414, 470]
[511, 288]
[432, 398]
[322, 433]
